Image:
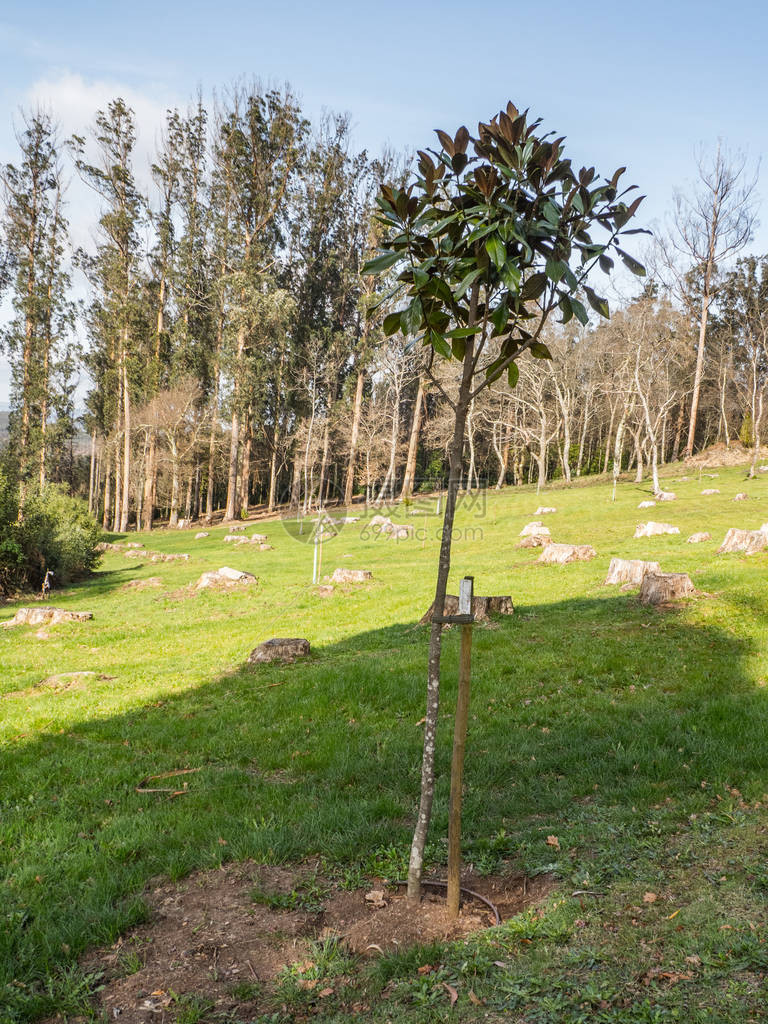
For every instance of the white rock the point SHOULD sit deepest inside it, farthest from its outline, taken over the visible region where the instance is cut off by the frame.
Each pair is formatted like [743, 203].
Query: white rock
[199, 536]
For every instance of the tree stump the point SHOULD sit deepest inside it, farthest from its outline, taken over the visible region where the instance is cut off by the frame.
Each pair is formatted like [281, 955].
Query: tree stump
[654, 529]
[535, 529]
[237, 529]
[535, 540]
[48, 615]
[279, 649]
[482, 607]
[748, 541]
[710, 490]
[351, 576]
[663, 587]
[646, 504]
[200, 535]
[225, 577]
[561, 554]
[666, 496]
[741, 497]
[632, 571]
[543, 511]
[699, 538]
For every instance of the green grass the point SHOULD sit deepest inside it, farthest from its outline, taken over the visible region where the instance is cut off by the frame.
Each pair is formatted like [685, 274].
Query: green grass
[639, 737]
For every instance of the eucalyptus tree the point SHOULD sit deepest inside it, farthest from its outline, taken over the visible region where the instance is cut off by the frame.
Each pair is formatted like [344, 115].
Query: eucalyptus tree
[38, 336]
[115, 271]
[744, 316]
[259, 143]
[488, 242]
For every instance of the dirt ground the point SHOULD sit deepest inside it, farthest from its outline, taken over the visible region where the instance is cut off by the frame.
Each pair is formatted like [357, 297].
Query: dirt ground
[210, 941]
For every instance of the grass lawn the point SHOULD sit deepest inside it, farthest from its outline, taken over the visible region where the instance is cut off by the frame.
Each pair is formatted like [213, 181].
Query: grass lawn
[638, 737]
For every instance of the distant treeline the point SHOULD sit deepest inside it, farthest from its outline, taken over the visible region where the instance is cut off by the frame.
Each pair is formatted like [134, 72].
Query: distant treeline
[235, 349]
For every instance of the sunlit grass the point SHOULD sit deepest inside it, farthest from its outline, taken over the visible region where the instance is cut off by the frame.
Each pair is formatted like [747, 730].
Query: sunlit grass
[612, 726]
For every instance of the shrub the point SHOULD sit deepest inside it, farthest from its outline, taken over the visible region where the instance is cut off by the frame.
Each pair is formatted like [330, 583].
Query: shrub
[52, 532]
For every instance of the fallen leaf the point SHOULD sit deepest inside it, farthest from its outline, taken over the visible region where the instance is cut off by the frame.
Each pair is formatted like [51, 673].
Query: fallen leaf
[553, 841]
[325, 993]
[473, 998]
[650, 897]
[451, 992]
[425, 969]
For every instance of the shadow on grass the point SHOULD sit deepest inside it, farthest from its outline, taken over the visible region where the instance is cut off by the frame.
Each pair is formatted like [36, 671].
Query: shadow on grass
[588, 717]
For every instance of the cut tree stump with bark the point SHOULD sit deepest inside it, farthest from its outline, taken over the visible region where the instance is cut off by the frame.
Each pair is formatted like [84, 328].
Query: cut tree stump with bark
[748, 541]
[665, 496]
[225, 577]
[663, 587]
[48, 616]
[629, 570]
[646, 504]
[536, 529]
[283, 649]
[710, 490]
[561, 554]
[482, 607]
[741, 496]
[199, 536]
[699, 538]
[535, 540]
[654, 529]
[351, 576]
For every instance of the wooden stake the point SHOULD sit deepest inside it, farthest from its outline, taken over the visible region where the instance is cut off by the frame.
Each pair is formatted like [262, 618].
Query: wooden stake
[459, 743]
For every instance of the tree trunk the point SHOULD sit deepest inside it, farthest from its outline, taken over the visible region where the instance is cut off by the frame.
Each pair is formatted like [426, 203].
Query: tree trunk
[413, 444]
[92, 473]
[107, 496]
[435, 638]
[705, 300]
[126, 443]
[353, 438]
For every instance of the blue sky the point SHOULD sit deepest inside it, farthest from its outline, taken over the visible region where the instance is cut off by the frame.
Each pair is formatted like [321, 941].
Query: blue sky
[639, 85]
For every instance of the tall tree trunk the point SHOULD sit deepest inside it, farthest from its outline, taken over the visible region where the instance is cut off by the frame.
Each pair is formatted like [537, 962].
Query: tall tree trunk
[126, 442]
[678, 431]
[705, 301]
[324, 462]
[413, 444]
[353, 437]
[245, 468]
[92, 472]
[107, 495]
[416, 863]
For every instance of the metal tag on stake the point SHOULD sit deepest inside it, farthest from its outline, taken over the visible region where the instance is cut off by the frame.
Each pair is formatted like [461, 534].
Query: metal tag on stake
[466, 589]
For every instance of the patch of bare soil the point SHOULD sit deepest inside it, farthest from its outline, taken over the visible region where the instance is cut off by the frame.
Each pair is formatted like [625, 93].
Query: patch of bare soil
[207, 939]
[720, 455]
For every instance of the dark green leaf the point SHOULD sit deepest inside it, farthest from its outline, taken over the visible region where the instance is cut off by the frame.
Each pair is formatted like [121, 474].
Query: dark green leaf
[439, 344]
[471, 277]
[392, 323]
[464, 332]
[381, 263]
[598, 304]
[534, 286]
[412, 316]
[496, 250]
[581, 314]
[540, 350]
[513, 374]
[631, 263]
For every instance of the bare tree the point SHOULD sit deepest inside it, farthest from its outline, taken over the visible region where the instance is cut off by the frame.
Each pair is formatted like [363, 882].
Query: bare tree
[711, 225]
